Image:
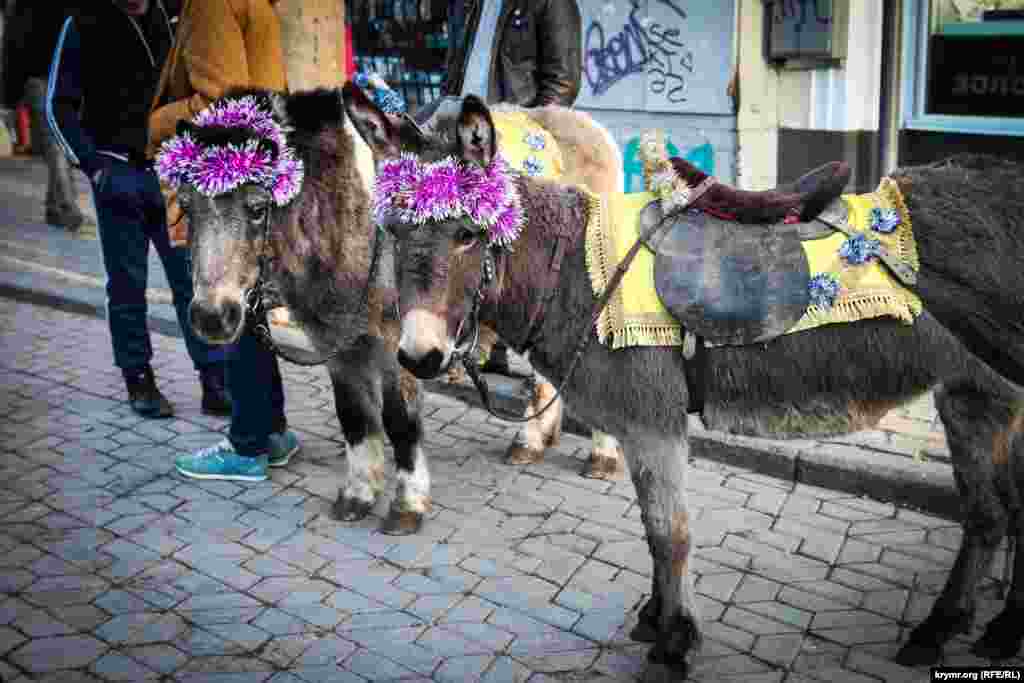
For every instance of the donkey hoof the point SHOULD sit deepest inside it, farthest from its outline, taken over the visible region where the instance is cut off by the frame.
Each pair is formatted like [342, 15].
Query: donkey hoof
[600, 467]
[456, 374]
[662, 672]
[351, 509]
[518, 454]
[1002, 638]
[402, 523]
[646, 629]
[644, 633]
[918, 653]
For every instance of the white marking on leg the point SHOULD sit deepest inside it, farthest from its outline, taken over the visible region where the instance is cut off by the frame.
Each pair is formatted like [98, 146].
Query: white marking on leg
[366, 469]
[413, 491]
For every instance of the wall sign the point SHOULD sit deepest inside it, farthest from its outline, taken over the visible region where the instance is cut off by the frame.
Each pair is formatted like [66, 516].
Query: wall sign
[976, 76]
[805, 29]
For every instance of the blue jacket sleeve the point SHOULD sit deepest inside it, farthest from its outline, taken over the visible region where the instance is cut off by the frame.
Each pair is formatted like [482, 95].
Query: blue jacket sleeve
[64, 100]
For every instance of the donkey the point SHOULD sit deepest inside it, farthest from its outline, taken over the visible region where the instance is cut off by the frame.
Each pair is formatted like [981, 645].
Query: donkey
[827, 380]
[311, 243]
[591, 159]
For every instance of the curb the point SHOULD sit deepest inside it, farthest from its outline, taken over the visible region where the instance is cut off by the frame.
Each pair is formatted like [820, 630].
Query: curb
[926, 486]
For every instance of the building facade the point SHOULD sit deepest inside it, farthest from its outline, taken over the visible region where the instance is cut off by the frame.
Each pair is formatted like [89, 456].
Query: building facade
[647, 64]
[888, 83]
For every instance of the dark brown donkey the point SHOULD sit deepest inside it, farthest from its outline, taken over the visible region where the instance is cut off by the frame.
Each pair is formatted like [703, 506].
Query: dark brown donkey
[968, 217]
[316, 252]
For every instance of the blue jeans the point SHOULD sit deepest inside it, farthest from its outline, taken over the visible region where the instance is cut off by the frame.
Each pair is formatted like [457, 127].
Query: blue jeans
[131, 215]
[257, 394]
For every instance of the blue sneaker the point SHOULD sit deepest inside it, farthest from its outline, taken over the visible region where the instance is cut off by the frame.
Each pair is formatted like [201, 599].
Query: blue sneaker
[220, 461]
[282, 447]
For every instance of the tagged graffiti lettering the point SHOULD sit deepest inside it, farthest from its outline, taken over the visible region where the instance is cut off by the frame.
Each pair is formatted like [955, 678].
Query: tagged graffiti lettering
[798, 12]
[637, 48]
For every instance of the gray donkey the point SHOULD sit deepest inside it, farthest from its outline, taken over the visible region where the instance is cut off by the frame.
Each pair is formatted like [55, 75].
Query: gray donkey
[315, 252]
[968, 217]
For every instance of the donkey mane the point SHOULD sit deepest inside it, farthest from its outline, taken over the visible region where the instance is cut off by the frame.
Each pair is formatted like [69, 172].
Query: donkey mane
[324, 229]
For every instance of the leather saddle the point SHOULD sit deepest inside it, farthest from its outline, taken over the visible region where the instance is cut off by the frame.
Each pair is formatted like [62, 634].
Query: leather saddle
[730, 267]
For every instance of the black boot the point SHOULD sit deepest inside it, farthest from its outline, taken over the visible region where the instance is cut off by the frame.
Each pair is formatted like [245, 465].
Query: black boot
[145, 399]
[216, 399]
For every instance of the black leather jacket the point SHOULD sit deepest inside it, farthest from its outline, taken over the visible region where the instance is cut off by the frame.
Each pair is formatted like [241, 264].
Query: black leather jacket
[536, 56]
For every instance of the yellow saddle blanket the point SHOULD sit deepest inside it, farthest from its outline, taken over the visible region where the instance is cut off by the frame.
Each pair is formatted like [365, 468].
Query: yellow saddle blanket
[527, 146]
[841, 290]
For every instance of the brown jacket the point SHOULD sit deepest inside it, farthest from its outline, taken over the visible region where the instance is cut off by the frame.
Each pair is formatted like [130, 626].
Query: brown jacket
[536, 57]
[221, 44]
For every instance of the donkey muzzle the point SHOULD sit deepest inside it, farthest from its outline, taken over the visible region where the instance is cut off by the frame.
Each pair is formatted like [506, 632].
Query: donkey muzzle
[216, 324]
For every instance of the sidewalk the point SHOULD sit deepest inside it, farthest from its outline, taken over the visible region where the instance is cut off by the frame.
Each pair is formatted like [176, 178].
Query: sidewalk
[905, 461]
[115, 568]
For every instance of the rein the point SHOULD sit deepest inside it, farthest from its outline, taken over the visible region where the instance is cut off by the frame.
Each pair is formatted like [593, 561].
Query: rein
[255, 304]
[465, 355]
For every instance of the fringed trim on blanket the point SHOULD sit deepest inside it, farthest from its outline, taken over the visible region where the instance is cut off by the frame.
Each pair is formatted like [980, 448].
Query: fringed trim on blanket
[862, 307]
[889, 191]
[596, 255]
[615, 328]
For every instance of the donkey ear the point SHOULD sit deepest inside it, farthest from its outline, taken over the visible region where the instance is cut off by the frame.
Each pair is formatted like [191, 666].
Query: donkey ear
[477, 139]
[376, 127]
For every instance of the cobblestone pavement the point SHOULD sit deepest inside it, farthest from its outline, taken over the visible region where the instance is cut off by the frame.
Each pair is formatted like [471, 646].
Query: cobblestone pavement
[116, 569]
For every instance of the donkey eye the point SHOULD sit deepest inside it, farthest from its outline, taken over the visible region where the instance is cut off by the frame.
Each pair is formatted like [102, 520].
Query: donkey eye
[464, 236]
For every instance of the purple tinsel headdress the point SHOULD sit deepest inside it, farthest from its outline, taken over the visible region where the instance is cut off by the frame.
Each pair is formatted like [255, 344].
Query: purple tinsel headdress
[216, 169]
[418, 193]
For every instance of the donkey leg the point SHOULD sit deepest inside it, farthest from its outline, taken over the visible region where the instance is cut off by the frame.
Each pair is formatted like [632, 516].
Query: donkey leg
[658, 468]
[974, 417]
[606, 457]
[1003, 635]
[358, 405]
[539, 433]
[404, 425]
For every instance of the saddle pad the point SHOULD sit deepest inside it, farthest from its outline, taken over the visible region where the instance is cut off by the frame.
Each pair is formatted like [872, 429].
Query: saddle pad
[839, 291]
[635, 315]
[730, 283]
[527, 146]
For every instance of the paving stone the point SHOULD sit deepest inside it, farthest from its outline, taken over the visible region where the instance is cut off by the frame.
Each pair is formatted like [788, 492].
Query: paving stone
[749, 621]
[376, 667]
[50, 654]
[117, 667]
[9, 639]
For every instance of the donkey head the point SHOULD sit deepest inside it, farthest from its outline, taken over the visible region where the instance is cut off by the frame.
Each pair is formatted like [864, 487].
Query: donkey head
[452, 203]
[238, 166]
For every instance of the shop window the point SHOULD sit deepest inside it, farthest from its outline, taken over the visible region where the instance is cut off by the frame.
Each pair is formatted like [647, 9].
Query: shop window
[405, 41]
[966, 65]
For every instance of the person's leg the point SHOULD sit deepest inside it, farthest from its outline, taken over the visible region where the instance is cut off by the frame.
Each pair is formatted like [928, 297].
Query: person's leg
[258, 436]
[61, 195]
[125, 249]
[208, 360]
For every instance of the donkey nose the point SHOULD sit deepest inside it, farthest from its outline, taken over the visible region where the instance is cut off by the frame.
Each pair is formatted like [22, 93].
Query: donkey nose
[427, 367]
[214, 323]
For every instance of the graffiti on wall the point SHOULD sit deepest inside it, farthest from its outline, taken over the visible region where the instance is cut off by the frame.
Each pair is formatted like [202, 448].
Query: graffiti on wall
[702, 156]
[640, 46]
